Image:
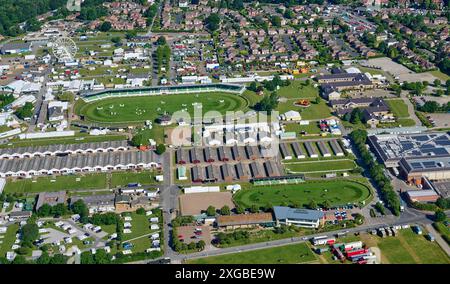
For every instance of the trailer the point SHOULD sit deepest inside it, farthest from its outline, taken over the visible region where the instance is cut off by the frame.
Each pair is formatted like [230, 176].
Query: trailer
[324, 241]
[353, 245]
[356, 252]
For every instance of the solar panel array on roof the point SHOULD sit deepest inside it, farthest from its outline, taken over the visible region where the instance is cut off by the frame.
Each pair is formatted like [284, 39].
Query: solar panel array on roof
[417, 165]
[429, 164]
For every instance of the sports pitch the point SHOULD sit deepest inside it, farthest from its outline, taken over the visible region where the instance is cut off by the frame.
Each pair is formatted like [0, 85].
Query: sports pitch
[139, 109]
[339, 192]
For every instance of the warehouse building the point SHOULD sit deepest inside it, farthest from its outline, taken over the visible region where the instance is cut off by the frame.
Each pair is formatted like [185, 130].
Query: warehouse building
[222, 153]
[69, 164]
[197, 174]
[310, 149]
[180, 157]
[323, 149]
[436, 168]
[256, 170]
[195, 157]
[285, 153]
[61, 149]
[211, 175]
[271, 169]
[226, 172]
[298, 217]
[237, 155]
[298, 152]
[427, 195]
[97, 203]
[337, 150]
[241, 171]
[251, 152]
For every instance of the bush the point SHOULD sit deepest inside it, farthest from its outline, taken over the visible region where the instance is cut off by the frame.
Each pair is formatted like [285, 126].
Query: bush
[140, 211]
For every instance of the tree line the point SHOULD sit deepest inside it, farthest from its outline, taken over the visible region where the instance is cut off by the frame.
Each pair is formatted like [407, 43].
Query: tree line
[376, 171]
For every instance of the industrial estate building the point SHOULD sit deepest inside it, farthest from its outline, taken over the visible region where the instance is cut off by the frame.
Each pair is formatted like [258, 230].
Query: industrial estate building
[415, 155]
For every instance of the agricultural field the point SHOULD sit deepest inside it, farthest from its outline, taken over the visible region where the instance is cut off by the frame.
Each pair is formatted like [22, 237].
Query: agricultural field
[290, 254]
[69, 182]
[407, 248]
[338, 192]
[139, 109]
[320, 166]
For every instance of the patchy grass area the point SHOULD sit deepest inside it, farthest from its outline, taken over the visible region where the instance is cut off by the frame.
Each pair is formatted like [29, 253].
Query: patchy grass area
[442, 76]
[324, 166]
[337, 192]
[290, 254]
[398, 108]
[124, 178]
[139, 109]
[69, 182]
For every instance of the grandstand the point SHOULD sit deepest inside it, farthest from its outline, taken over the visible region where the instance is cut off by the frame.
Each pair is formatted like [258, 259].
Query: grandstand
[278, 180]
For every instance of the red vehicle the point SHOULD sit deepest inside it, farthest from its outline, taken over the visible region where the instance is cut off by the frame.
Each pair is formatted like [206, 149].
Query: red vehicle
[180, 236]
[356, 252]
[3, 77]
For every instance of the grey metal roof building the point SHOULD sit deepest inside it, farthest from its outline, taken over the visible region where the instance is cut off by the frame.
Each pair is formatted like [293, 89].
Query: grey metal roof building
[210, 174]
[222, 152]
[391, 148]
[323, 149]
[337, 150]
[180, 157]
[311, 151]
[236, 153]
[196, 174]
[70, 149]
[271, 169]
[208, 156]
[195, 157]
[298, 150]
[251, 152]
[256, 170]
[285, 151]
[241, 171]
[95, 162]
[226, 172]
[298, 217]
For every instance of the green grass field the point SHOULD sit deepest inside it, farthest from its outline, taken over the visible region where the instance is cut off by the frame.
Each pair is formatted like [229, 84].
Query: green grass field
[410, 248]
[63, 140]
[329, 165]
[139, 226]
[69, 182]
[291, 254]
[443, 230]
[338, 192]
[124, 178]
[8, 239]
[138, 109]
[398, 108]
[313, 112]
[297, 90]
[311, 128]
[442, 76]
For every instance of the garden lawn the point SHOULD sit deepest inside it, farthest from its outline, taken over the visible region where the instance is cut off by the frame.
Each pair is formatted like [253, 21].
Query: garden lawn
[291, 254]
[140, 226]
[338, 192]
[69, 182]
[324, 166]
[398, 108]
[297, 90]
[313, 112]
[124, 178]
[139, 109]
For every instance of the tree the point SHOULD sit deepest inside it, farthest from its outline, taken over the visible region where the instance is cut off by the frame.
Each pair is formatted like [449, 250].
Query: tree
[139, 140]
[317, 100]
[44, 210]
[33, 25]
[160, 149]
[192, 246]
[140, 211]
[101, 257]
[312, 205]
[252, 86]
[225, 210]
[254, 209]
[59, 210]
[212, 22]
[105, 26]
[80, 208]
[116, 39]
[437, 83]
[240, 209]
[440, 216]
[43, 259]
[201, 245]
[326, 204]
[276, 21]
[29, 233]
[161, 40]
[20, 259]
[58, 259]
[211, 211]
[25, 112]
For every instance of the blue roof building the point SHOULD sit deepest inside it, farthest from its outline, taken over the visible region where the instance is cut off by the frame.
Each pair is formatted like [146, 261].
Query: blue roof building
[298, 217]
